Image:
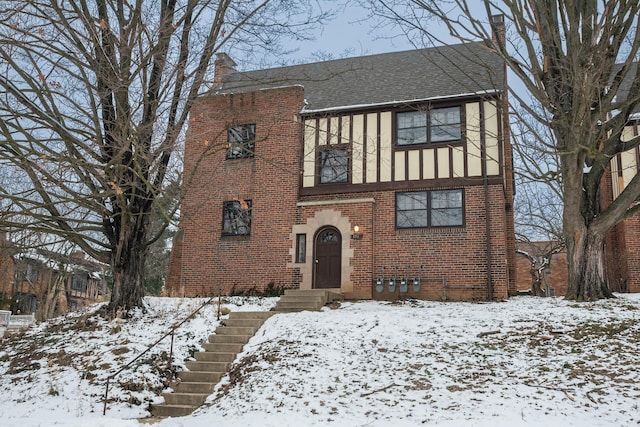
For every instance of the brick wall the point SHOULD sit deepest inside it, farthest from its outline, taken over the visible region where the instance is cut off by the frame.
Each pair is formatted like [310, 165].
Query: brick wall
[622, 250]
[211, 262]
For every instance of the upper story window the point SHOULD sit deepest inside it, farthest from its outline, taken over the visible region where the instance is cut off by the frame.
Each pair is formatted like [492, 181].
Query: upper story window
[333, 165]
[420, 209]
[241, 141]
[432, 126]
[236, 218]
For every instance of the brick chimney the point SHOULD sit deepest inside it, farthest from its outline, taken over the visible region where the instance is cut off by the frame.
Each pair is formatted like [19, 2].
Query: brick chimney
[222, 66]
[498, 33]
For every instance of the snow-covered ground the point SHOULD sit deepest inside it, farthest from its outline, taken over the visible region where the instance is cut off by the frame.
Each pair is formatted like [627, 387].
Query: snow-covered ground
[525, 362]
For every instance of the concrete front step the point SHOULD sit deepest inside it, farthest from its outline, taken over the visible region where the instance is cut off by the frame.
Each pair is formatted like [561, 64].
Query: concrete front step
[229, 339]
[201, 376]
[300, 306]
[250, 323]
[195, 387]
[193, 399]
[214, 356]
[308, 299]
[235, 330]
[301, 298]
[331, 295]
[264, 315]
[223, 347]
[208, 366]
[171, 410]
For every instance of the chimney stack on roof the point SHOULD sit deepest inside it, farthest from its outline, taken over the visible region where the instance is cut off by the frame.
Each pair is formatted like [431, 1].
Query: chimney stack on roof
[222, 66]
[498, 33]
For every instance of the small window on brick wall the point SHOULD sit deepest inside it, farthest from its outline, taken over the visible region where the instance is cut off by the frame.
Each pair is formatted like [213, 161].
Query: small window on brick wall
[236, 218]
[301, 248]
[421, 209]
[241, 141]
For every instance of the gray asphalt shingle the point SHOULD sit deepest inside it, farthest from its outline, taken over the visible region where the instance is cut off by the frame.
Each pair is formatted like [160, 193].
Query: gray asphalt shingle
[389, 78]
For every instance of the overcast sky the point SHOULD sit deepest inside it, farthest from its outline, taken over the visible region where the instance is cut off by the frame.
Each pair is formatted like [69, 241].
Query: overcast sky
[352, 34]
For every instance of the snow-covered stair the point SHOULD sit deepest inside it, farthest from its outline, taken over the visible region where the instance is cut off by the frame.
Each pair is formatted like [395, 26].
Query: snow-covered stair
[196, 384]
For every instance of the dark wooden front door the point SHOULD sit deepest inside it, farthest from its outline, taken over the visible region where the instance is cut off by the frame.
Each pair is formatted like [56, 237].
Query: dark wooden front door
[328, 258]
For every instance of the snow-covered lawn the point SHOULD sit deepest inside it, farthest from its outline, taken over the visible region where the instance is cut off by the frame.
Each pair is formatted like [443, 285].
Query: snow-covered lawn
[525, 362]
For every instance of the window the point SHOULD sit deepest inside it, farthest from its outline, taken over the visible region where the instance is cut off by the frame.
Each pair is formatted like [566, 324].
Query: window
[442, 208]
[301, 248]
[421, 127]
[79, 282]
[31, 274]
[241, 141]
[236, 218]
[334, 165]
[412, 128]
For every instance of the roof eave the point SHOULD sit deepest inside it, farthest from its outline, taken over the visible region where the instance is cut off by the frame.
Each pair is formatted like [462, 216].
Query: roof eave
[397, 102]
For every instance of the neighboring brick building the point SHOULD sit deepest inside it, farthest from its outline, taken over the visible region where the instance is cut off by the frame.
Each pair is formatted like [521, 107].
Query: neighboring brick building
[556, 273]
[29, 277]
[322, 175]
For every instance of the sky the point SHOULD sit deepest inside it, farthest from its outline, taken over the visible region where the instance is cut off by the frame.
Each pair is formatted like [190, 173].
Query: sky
[525, 362]
[352, 33]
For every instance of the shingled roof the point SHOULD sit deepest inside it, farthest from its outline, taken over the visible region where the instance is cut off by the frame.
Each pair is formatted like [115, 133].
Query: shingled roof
[383, 79]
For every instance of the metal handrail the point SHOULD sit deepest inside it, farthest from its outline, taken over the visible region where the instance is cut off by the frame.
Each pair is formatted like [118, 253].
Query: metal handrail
[171, 332]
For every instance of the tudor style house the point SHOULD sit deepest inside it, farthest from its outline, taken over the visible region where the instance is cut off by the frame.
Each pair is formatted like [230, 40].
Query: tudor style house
[382, 176]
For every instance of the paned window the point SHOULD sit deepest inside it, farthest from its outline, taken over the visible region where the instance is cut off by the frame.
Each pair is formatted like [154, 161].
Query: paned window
[301, 248]
[236, 218]
[433, 126]
[241, 141]
[420, 209]
[79, 282]
[31, 274]
[333, 165]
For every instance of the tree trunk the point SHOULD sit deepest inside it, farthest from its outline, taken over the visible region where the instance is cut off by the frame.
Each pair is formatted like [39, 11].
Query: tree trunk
[127, 264]
[536, 282]
[586, 279]
[54, 288]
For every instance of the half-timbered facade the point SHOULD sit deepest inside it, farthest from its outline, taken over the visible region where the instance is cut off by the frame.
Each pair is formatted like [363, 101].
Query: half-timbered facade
[623, 242]
[383, 176]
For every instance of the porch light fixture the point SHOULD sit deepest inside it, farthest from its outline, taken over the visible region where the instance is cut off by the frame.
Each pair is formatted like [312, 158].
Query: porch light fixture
[356, 233]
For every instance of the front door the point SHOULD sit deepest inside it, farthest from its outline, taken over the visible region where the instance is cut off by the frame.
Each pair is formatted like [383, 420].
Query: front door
[328, 258]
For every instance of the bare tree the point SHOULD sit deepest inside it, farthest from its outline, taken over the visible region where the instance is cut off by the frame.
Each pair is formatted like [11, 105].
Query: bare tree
[95, 98]
[577, 64]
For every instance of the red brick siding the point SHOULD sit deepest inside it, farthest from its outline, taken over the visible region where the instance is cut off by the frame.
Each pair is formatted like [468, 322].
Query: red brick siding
[622, 250]
[211, 262]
